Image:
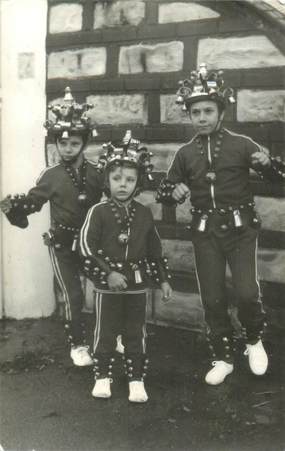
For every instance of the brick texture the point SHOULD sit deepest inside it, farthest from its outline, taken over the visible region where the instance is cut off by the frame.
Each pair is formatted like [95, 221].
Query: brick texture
[181, 12]
[239, 52]
[261, 106]
[118, 13]
[65, 18]
[162, 57]
[77, 63]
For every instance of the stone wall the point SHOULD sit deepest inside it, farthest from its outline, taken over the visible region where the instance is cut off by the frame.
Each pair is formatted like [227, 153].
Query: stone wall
[126, 57]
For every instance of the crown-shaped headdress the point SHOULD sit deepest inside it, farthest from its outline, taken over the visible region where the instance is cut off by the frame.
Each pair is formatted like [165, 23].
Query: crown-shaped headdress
[128, 151]
[70, 116]
[203, 85]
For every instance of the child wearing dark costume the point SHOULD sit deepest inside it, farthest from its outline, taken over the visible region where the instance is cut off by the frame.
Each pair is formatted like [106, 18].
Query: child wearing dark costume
[71, 187]
[213, 168]
[122, 250]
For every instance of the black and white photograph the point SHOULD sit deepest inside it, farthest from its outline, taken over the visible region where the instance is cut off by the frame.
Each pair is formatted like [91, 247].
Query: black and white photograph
[142, 225]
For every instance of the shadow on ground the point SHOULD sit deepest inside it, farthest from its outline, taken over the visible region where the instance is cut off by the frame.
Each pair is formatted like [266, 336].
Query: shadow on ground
[46, 403]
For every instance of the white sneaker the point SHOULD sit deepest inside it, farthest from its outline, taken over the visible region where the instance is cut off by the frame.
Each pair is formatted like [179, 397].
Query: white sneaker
[217, 374]
[102, 388]
[257, 358]
[80, 356]
[137, 392]
[120, 347]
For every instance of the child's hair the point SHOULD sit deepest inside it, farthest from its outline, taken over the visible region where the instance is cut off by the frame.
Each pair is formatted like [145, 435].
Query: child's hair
[221, 106]
[124, 164]
[84, 136]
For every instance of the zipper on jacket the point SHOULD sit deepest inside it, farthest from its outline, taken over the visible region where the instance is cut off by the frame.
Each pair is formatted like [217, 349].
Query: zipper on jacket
[129, 231]
[212, 189]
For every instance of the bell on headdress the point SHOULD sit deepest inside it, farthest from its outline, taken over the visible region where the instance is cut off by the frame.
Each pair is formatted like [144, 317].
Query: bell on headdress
[127, 137]
[68, 97]
[203, 71]
[179, 100]
[65, 134]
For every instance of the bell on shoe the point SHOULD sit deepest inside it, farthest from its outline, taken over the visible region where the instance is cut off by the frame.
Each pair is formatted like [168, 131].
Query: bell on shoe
[257, 358]
[218, 374]
[102, 388]
[120, 348]
[80, 356]
[137, 392]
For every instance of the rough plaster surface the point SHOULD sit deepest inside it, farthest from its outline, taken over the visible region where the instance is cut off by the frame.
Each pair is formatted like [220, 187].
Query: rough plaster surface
[65, 17]
[118, 13]
[77, 63]
[181, 12]
[261, 106]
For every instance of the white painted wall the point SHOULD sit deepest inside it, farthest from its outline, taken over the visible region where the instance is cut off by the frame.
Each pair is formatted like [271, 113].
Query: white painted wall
[26, 271]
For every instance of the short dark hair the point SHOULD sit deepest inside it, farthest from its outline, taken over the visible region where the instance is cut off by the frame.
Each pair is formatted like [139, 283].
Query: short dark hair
[123, 164]
[221, 106]
[83, 135]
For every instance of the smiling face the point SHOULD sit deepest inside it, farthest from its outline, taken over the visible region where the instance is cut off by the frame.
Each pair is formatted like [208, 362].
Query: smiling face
[205, 116]
[69, 148]
[122, 182]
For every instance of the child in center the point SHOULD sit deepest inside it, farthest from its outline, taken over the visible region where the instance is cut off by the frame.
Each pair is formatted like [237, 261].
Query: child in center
[122, 251]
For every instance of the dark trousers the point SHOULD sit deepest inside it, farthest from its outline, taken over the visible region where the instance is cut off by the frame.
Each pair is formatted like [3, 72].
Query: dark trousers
[66, 266]
[120, 312]
[212, 253]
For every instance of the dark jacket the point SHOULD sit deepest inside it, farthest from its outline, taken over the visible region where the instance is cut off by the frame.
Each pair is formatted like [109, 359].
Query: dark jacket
[99, 244]
[56, 186]
[231, 162]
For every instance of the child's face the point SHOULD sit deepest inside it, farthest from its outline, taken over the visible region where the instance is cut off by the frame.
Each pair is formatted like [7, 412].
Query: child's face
[69, 148]
[122, 182]
[204, 116]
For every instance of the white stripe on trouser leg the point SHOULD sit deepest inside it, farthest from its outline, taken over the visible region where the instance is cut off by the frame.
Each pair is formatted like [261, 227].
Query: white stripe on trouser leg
[98, 309]
[59, 278]
[144, 334]
[256, 273]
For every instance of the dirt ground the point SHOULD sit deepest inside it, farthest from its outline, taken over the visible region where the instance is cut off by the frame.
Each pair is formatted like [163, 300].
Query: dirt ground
[46, 403]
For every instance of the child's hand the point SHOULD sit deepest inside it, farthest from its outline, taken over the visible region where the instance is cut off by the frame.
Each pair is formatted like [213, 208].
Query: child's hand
[117, 281]
[166, 292]
[260, 158]
[180, 192]
[6, 204]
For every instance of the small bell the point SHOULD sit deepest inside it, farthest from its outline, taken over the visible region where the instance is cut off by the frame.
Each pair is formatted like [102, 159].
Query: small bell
[65, 134]
[138, 276]
[82, 198]
[232, 99]
[211, 177]
[127, 137]
[184, 108]
[94, 133]
[237, 219]
[203, 71]
[68, 97]
[203, 223]
[123, 238]
[179, 100]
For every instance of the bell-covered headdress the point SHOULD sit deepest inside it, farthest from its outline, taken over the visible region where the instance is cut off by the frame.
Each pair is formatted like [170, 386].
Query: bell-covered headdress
[204, 85]
[70, 117]
[128, 151]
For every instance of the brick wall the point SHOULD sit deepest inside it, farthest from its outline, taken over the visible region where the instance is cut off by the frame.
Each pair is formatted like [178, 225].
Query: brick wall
[126, 57]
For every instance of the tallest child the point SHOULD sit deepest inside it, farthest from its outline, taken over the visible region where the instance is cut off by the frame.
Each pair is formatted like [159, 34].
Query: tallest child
[72, 186]
[214, 167]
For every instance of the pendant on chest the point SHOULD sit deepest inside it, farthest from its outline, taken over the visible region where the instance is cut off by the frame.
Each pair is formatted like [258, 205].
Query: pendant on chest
[210, 177]
[82, 198]
[123, 238]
